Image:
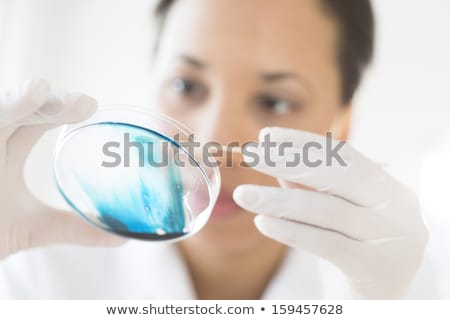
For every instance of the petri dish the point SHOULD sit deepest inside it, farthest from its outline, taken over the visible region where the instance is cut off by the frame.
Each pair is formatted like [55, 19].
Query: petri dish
[128, 170]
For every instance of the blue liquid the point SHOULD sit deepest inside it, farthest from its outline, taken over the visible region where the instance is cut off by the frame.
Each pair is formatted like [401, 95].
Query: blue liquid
[146, 202]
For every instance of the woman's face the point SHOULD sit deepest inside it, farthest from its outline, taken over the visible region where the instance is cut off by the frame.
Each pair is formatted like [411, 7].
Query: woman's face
[229, 68]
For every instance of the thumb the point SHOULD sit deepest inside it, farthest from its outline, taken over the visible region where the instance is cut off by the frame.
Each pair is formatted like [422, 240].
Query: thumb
[58, 110]
[62, 108]
[18, 104]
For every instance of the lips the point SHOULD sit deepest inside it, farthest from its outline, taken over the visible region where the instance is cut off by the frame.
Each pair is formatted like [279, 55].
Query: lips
[225, 205]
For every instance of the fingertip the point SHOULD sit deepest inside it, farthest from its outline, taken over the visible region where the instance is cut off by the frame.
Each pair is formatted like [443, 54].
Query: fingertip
[237, 194]
[265, 131]
[81, 101]
[246, 196]
[257, 220]
[260, 222]
[87, 105]
[36, 91]
[79, 106]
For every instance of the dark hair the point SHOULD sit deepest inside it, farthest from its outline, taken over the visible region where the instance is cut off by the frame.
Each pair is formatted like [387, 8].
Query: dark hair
[356, 23]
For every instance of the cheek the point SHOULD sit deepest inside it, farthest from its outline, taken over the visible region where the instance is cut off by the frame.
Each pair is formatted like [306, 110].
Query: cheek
[324, 119]
[164, 103]
[317, 119]
[325, 106]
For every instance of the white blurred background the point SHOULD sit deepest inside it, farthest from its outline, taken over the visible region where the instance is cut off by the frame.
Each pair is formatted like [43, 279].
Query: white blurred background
[103, 48]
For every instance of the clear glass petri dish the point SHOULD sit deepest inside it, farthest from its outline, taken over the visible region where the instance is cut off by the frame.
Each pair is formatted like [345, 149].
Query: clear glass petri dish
[127, 171]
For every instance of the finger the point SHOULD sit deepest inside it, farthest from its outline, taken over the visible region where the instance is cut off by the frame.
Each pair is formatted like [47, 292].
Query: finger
[61, 227]
[332, 246]
[346, 173]
[314, 208]
[287, 184]
[62, 108]
[58, 110]
[27, 99]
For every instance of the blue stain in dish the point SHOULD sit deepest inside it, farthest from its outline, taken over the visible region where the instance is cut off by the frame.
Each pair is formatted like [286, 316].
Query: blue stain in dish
[141, 202]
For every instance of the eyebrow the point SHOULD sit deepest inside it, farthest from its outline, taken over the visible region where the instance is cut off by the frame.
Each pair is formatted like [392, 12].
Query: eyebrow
[193, 62]
[266, 77]
[280, 76]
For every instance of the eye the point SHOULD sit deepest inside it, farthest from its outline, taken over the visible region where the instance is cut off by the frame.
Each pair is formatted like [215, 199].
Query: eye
[188, 88]
[275, 105]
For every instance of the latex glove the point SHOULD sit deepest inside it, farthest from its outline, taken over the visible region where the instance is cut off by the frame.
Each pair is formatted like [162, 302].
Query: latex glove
[362, 220]
[25, 115]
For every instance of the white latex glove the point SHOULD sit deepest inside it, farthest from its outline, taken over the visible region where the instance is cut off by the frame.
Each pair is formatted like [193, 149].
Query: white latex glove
[360, 219]
[25, 115]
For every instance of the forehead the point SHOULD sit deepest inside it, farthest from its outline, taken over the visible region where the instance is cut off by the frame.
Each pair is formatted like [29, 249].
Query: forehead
[252, 31]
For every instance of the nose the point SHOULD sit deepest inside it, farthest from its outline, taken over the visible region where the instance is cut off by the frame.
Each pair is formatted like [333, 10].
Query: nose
[226, 123]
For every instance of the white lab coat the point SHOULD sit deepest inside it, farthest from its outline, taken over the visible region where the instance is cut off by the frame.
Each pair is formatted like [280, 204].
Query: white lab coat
[142, 270]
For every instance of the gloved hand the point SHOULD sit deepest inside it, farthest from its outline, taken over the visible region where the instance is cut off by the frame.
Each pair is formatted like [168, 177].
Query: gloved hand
[25, 115]
[355, 216]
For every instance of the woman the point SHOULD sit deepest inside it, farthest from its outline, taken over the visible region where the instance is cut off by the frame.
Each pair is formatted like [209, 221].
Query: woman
[232, 71]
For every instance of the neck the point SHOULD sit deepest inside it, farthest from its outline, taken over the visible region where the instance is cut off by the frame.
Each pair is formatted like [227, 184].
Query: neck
[225, 274]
